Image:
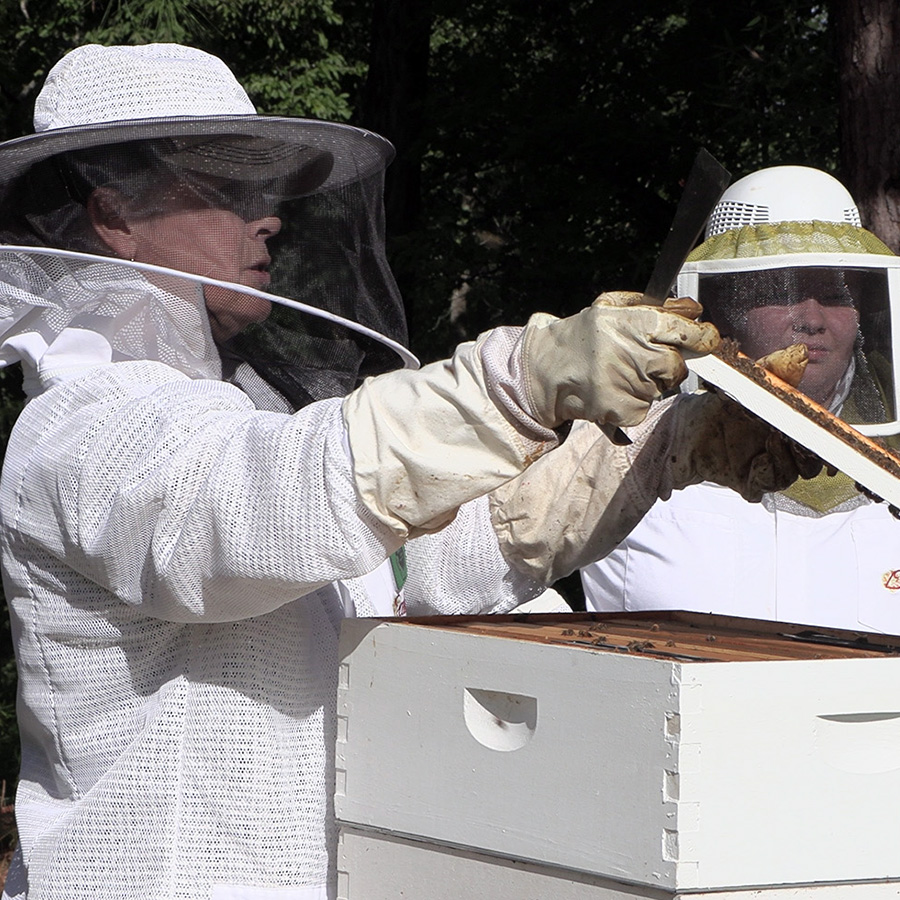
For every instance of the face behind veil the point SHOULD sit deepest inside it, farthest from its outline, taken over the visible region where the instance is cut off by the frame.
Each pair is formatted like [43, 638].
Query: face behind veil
[238, 246]
[838, 306]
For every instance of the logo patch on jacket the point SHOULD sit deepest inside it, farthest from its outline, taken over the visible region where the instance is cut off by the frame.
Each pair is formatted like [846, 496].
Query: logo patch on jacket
[891, 580]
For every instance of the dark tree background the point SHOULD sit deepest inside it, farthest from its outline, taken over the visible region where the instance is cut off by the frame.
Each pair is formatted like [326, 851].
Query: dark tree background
[869, 65]
[541, 144]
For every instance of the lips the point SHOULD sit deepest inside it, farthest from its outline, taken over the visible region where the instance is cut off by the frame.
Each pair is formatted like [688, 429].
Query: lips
[257, 275]
[259, 278]
[817, 354]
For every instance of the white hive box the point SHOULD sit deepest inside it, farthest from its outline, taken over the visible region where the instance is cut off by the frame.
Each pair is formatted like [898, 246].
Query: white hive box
[628, 755]
[381, 866]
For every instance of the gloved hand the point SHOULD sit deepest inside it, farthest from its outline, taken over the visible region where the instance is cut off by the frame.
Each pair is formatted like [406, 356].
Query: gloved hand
[608, 362]
[716, 439]
[424, 442]
[577, 503]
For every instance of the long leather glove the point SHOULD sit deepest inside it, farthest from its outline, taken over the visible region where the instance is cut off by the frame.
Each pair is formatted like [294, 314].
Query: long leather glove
[608, 362]
[577, 504]
[424, 442]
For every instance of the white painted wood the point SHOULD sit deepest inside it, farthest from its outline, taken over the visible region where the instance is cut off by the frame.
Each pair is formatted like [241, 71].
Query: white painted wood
[584, 792]
[373, 866]
[377, 866]
[674, 775]
[791, 770]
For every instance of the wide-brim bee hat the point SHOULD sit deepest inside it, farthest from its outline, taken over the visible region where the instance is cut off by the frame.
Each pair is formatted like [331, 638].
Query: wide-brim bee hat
[192, 103]
[135, 118]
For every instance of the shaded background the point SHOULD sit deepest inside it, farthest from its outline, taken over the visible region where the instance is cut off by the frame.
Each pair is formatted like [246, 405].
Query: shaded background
[542, 144]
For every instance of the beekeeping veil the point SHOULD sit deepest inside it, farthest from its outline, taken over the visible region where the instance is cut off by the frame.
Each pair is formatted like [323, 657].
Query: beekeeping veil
[785, 261]
[154, 215]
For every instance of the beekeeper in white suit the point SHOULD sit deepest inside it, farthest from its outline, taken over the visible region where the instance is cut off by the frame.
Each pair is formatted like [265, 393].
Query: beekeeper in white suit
[205, 480]
[785, 261]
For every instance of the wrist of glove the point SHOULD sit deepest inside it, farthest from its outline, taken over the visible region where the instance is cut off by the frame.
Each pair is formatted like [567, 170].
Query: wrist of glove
[715, 439]
[607, 363]
[424, 442]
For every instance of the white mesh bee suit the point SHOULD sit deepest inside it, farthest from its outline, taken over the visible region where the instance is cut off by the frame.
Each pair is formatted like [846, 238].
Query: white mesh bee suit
[186, 519]
[819, 553]
[175, 694]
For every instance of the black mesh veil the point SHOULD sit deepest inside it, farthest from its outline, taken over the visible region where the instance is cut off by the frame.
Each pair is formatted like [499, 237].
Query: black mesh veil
[326, 249]
[840, 306]
[278, 224]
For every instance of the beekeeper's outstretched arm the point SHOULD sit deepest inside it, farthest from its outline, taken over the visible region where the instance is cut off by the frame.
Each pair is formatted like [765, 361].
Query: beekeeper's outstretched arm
[425, 442]
[491, 410]
[560, 516]
[577, 504]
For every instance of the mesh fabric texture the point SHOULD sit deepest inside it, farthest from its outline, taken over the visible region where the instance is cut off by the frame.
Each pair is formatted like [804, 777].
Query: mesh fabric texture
[178, 699]
[178, 553]
[93, 84]
[788, 237]
[848, 331]
[731, 214]
[294, 214]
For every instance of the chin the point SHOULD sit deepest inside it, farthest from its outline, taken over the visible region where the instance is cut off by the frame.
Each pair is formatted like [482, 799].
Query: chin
[258, 311]
[231, 311]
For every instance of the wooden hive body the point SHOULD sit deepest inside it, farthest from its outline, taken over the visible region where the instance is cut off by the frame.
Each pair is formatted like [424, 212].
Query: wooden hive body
[665, 754]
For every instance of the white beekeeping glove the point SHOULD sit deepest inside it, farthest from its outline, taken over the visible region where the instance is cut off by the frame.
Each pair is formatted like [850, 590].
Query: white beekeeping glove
[716, 439]
[633, 351]
[580, 501]
[424, 442]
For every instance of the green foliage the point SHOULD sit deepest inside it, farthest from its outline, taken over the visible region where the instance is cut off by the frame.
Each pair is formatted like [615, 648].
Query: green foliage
[559, 135]
[36, 34]
[287, 55]
[294, 57]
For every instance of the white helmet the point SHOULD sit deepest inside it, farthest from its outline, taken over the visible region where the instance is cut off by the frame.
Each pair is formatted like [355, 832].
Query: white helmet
[780, 237]
[783, 194]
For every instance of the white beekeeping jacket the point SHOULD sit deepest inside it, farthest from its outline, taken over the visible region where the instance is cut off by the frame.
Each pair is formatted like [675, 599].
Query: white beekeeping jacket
[705, 549]
[177, 563]
[179, 526]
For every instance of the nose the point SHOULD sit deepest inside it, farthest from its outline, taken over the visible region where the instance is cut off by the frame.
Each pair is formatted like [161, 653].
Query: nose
[264, 228]
[808, 317]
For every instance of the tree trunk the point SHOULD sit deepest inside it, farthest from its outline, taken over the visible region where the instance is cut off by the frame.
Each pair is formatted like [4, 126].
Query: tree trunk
[394, 100]
[868, 35]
